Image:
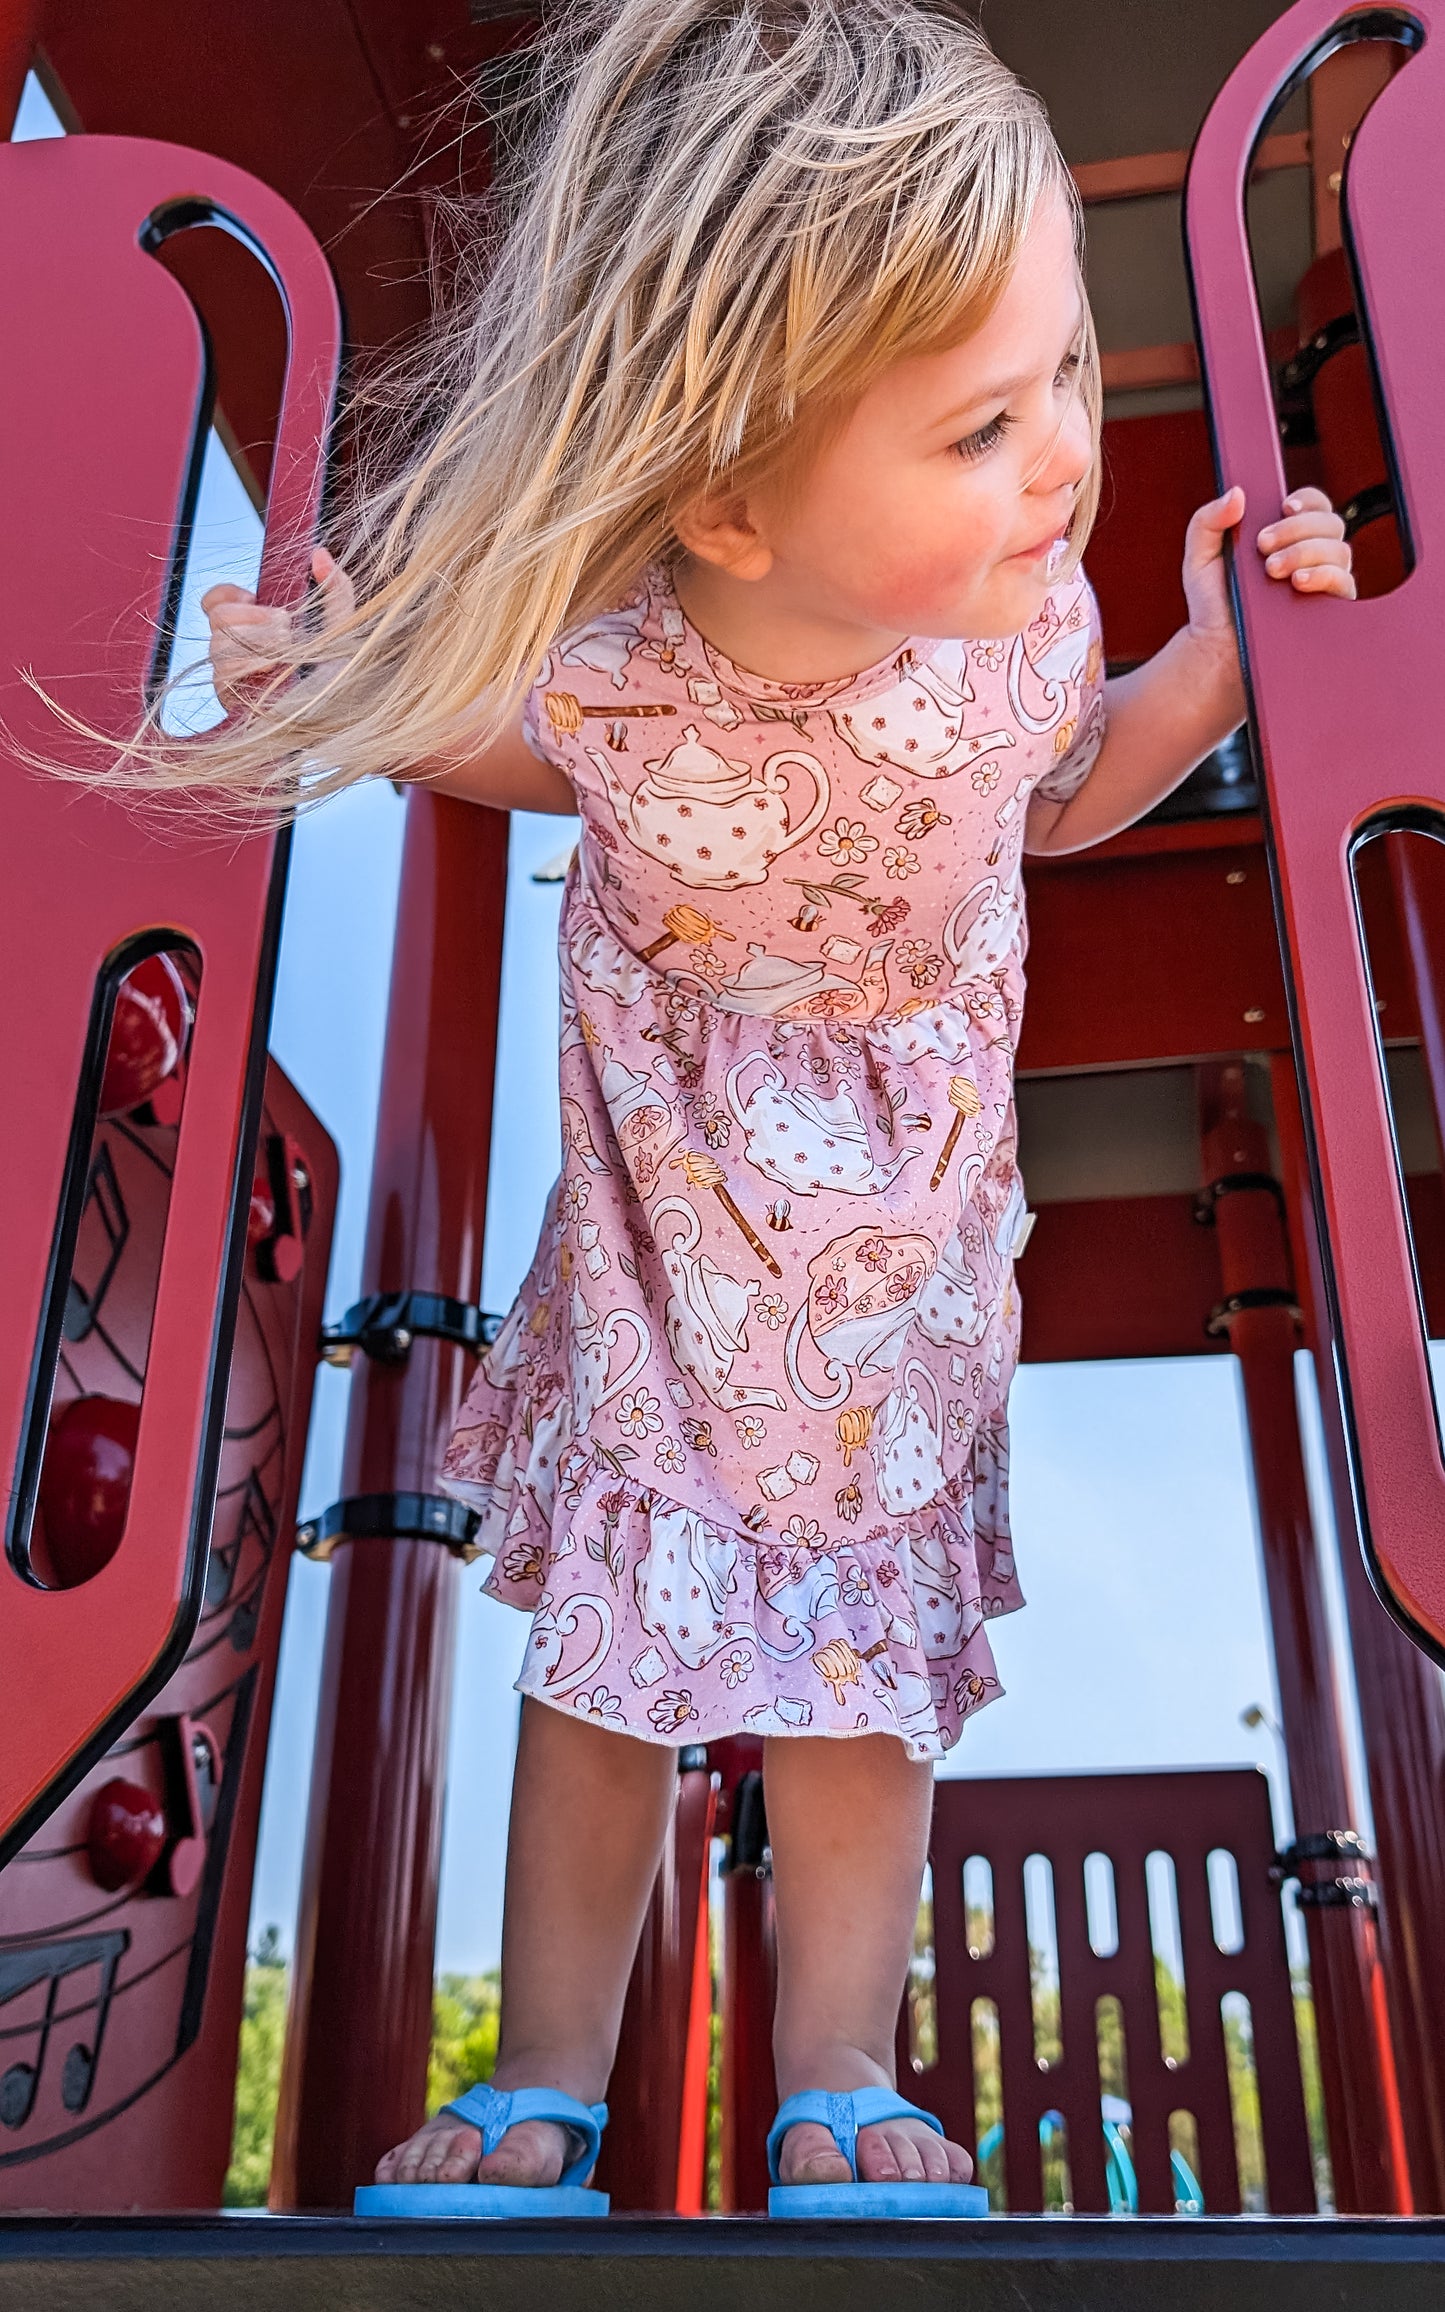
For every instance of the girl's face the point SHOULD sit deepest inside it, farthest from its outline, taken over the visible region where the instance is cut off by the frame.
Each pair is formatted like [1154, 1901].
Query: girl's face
[939, 506]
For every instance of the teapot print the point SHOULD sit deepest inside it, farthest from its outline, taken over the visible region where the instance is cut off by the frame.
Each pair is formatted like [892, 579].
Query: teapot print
[906, 1445]
[918, 724]
[1047, 661]
[590, 1358]
[712, 819]
[983, 929]
[707, 1312]
[805, 1141]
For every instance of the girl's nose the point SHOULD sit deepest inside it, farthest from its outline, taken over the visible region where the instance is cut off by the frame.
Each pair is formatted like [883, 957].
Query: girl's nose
[1066, 461]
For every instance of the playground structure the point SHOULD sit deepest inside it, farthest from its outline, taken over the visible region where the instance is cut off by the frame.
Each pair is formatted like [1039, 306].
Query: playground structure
[1269, 1174]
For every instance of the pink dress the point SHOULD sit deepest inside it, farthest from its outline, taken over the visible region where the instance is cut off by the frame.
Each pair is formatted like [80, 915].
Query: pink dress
[741, 1447]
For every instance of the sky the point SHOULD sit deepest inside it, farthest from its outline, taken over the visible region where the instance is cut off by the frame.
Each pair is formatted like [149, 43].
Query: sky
[1144, 1638]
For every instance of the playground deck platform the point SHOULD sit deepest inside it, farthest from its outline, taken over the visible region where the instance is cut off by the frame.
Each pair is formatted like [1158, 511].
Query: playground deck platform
[232, 2263]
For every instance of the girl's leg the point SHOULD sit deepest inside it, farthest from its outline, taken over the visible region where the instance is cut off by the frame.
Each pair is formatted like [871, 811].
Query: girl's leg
[590, 1812]
[848, 1826]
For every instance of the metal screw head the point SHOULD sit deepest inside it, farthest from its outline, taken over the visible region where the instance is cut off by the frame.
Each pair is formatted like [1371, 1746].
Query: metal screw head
[1253, 1016]
[401, 1340]
[1235, 875]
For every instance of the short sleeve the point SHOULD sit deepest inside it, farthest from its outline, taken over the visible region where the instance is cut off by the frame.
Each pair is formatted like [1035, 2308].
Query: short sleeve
[532, 726]
[1083, 735]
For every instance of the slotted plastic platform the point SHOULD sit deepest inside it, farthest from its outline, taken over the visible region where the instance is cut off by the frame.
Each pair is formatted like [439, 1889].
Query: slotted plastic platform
[738, 2264]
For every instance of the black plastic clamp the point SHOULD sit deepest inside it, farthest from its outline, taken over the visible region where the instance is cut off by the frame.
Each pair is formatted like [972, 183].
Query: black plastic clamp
[392, 1517]
[1347, 1892]
[1337, 1894]
[1371, 504]
[384, 1325]
[1235, 1184]
[1260, 1296]
[1300, 371]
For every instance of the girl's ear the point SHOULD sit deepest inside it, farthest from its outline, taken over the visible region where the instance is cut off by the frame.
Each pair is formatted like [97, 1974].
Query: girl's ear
[722, 529]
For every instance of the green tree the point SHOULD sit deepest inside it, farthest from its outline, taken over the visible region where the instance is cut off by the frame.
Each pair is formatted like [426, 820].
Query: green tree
[466, 2010]
[258, 2075]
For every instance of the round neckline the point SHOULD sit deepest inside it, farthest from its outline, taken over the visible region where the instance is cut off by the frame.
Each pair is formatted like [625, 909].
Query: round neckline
[893, 667]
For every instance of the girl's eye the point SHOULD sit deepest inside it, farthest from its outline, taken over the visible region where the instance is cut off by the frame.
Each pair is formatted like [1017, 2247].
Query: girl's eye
[988, 437]
[1069, 368]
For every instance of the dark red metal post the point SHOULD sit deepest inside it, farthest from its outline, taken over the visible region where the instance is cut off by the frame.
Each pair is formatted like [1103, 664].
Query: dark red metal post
[1362, 2112]
[749, 1976]
[1402, 1716]
[19, 23]
[354, 2080]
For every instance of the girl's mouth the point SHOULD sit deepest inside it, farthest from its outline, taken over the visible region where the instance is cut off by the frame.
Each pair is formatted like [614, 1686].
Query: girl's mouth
[1049, 552]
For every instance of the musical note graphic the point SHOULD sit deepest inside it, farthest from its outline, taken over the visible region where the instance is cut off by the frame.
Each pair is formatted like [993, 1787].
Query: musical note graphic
[52, 1964]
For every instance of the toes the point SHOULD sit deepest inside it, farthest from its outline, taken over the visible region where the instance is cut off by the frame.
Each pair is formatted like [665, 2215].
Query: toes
[533, 2153]
[810, 2156]
[903, 2151]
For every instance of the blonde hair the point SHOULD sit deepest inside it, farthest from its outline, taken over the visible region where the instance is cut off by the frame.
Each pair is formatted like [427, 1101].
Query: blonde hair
[733, 214]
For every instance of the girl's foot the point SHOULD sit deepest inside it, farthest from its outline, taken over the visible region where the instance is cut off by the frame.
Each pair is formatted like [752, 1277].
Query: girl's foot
[448, 2151]
[894, 2151]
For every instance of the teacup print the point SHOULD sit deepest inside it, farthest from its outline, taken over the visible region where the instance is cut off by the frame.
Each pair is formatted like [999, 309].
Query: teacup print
[862, 1291]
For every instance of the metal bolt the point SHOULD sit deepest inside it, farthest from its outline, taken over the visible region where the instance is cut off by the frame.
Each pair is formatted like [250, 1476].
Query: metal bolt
[305, 1535]
[401, 1340]
[1235, 875]
[1253, 1016]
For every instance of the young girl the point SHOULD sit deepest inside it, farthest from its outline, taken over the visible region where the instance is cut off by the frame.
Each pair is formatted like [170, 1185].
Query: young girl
[760, 469]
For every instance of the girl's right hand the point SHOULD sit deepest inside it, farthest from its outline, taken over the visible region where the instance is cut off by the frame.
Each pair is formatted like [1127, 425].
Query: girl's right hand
[246, 634]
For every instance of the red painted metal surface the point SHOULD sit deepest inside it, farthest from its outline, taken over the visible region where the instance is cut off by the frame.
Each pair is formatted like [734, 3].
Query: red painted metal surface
[1402, 1719]
[1362, 2111]
[123, 1921]
[652, 2154]
[1126, 1817]
[354, 2080]
[94, 487]
[1345, 712]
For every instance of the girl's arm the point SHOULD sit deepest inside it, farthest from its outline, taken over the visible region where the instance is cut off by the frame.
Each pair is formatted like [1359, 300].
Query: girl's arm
[506, 775]
[1168, 714]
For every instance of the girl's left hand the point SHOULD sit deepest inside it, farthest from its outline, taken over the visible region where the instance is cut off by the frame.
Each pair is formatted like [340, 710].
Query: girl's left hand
[1306, 547]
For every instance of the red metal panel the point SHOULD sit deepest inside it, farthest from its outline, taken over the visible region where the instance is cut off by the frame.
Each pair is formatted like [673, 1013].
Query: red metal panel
[93, 483]
[1119, 1276]
[1138, 955]
[133, 2095]
[1126, 1817]
[1346, 715]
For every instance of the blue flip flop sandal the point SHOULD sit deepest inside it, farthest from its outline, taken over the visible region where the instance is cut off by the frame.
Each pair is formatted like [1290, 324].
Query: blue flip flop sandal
[493, 2112]
[843, 2115]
